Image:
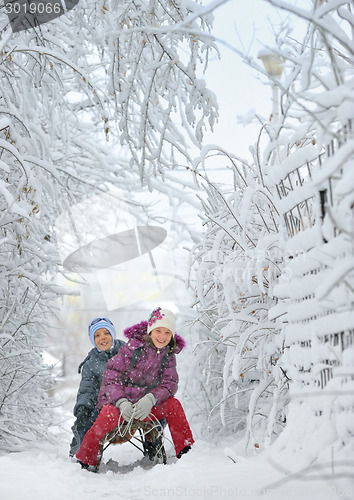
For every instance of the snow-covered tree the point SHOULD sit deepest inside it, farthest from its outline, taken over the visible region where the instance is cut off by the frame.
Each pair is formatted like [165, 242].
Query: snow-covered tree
[45, 166]
[157, 52]
[257, 325]
[64, 86]
[317, 213]
[233, 274]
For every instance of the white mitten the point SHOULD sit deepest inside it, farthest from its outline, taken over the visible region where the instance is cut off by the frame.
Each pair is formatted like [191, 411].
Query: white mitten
[143, 406]
[126, 408]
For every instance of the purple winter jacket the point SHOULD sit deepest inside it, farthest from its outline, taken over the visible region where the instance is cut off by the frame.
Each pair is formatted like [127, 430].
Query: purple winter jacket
[119, 381]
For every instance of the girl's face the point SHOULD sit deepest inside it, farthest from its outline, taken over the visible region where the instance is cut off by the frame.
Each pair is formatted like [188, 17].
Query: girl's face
[161, 337]
[103, 339]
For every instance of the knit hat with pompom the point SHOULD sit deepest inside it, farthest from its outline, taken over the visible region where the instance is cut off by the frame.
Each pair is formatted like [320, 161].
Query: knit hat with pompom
[162, 317]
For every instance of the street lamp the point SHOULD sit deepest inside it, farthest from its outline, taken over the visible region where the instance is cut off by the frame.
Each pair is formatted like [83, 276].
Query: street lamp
[273, 65]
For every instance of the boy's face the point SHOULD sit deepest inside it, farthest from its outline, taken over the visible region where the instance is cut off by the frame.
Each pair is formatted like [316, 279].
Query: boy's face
[161, 337]
[103, 339]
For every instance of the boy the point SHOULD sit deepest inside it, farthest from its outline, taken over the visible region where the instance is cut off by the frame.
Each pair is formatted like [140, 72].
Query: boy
[103, 337]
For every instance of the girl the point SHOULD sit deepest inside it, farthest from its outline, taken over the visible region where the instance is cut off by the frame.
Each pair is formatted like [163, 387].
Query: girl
[103, 337]
[141, 380]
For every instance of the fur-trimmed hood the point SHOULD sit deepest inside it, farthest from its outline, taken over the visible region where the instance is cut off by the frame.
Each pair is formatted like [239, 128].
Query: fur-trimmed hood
[138, 332]
[153, 371]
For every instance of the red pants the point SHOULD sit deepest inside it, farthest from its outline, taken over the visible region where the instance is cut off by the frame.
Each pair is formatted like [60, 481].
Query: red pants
[107, 420]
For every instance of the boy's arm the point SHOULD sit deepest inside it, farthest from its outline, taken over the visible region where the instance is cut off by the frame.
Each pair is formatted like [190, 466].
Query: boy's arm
[88, 389]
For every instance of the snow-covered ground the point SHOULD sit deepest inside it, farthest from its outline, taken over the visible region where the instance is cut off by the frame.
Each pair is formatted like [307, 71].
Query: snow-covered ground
[47, 473]
[206, 472]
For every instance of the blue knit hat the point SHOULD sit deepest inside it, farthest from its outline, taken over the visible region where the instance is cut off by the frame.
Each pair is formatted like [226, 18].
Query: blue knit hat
[98, 323]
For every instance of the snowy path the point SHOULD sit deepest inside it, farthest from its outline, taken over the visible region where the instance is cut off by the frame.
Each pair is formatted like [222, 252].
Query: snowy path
[206, 472]
[48, 474]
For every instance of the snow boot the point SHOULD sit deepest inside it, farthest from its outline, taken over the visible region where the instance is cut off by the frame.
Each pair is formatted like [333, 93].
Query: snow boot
[90, 468]
[150, 450]
[183, 451]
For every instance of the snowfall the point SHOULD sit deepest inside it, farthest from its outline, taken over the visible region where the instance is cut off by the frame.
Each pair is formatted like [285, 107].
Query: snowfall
[208, 471]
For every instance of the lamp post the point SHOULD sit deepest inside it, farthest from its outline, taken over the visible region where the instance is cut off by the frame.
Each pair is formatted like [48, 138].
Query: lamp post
[273, 65]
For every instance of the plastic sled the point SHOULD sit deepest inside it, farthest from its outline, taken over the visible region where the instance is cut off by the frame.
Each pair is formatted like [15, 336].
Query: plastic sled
[148, 437]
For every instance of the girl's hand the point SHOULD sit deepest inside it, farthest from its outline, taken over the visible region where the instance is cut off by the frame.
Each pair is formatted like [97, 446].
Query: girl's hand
[143, 406]
[126, 408]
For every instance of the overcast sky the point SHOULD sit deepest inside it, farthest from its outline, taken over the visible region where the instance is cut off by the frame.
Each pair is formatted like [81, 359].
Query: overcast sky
[237, 87]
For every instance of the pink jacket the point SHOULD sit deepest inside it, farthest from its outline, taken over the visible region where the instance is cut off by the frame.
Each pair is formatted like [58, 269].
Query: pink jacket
[120, 380]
